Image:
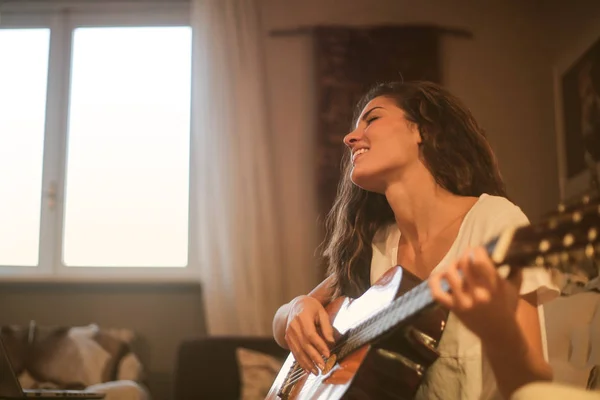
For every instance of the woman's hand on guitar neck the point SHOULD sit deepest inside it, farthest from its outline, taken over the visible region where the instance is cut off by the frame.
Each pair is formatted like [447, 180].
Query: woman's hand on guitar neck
[507, 324]
[478, 295]
[308, 328]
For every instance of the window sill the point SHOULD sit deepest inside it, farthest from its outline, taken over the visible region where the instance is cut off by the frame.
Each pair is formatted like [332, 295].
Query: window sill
[98, 279]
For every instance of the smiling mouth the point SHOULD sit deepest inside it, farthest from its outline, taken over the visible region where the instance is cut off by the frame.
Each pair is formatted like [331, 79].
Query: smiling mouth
[357, 154]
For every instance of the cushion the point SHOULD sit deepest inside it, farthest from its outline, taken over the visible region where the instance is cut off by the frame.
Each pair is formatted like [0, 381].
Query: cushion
[70, 357]
[121, 390]
[257, 371]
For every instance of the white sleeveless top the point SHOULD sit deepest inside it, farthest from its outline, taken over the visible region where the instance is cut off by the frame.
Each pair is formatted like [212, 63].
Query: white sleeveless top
[462, 372]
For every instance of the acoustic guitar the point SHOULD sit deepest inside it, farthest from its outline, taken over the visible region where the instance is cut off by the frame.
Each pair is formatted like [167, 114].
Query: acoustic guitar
[390, 334]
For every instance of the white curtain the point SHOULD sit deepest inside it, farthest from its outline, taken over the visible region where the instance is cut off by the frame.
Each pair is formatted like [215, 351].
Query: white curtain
[239, 245]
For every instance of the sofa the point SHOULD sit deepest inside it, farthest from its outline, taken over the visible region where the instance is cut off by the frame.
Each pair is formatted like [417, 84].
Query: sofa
[208, 368]
[75, 357]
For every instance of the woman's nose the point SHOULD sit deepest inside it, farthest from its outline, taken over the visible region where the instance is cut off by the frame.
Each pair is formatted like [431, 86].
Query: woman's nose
[352, 137]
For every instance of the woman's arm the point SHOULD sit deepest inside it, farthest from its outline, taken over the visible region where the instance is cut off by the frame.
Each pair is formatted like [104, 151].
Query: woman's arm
[516, 354]
[322, 292]
[491, 307]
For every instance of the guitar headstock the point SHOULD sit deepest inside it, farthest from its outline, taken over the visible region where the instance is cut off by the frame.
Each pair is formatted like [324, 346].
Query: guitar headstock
[566, 242]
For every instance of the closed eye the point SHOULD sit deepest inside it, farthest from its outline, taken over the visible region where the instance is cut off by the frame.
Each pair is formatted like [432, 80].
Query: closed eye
[368, 118]
[371, 120]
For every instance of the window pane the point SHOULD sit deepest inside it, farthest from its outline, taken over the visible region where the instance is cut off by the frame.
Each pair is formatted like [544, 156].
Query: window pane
[127, 184]
[23, 78]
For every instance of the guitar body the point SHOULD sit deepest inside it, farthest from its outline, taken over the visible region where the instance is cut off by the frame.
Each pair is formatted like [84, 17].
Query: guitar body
[390, 367]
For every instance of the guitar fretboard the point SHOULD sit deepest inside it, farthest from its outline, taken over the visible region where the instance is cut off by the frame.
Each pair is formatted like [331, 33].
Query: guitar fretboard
[400, 310]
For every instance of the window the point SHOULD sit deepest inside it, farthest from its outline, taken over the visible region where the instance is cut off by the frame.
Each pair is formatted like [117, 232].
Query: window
[127, 175]
[95, 144]
[23, 79]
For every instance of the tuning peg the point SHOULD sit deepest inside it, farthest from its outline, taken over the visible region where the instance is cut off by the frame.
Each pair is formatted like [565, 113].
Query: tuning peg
[592, 234]
[590, 252]
[568, 240]
[540, 261]
[586, 199]
[544, 246]
[552, 260]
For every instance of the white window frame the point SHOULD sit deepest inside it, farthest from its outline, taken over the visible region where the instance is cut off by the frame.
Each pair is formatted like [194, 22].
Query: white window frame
[62, 18]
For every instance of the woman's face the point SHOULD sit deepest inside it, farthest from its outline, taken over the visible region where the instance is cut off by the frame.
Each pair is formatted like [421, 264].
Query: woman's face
[383, 145]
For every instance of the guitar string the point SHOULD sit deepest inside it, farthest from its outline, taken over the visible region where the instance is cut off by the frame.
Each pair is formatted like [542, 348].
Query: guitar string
[301, 373]
[394, 311]
[424, 298]
[416, 295]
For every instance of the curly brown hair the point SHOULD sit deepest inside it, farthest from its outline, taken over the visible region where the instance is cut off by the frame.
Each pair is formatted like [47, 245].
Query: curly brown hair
[455, 151]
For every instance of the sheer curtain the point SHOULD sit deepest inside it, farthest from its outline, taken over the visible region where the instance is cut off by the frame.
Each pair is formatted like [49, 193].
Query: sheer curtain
[239, 249]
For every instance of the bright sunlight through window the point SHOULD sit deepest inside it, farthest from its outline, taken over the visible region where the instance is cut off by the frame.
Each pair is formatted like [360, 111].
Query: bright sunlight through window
[128, 153]
[23, 78]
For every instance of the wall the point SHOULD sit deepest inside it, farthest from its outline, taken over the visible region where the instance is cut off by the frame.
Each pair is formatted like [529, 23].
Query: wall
[499, 73]
[572, 322]
[567, 24]
[570, 31]
[162, 315]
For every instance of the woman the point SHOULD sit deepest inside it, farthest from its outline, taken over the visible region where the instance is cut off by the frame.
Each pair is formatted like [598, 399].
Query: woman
[422, 190]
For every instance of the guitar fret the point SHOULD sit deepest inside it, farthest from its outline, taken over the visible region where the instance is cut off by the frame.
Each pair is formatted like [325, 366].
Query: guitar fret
[373, 327]
[404, 307]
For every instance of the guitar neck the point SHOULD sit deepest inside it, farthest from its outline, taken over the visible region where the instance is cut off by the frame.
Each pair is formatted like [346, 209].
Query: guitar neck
[398, 312]
[568, 242]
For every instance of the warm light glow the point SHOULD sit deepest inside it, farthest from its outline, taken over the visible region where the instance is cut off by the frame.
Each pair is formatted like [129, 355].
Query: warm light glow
[23, 81]
[127, 179]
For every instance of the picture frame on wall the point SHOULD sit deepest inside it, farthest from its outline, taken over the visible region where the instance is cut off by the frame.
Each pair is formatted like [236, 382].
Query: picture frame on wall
[577, 115]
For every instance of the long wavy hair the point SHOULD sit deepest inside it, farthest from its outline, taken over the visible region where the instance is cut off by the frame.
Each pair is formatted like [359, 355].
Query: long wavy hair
[455, 151]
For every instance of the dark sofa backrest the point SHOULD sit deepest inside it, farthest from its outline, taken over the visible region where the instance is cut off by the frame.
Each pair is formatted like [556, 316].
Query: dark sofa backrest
[207, 368]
